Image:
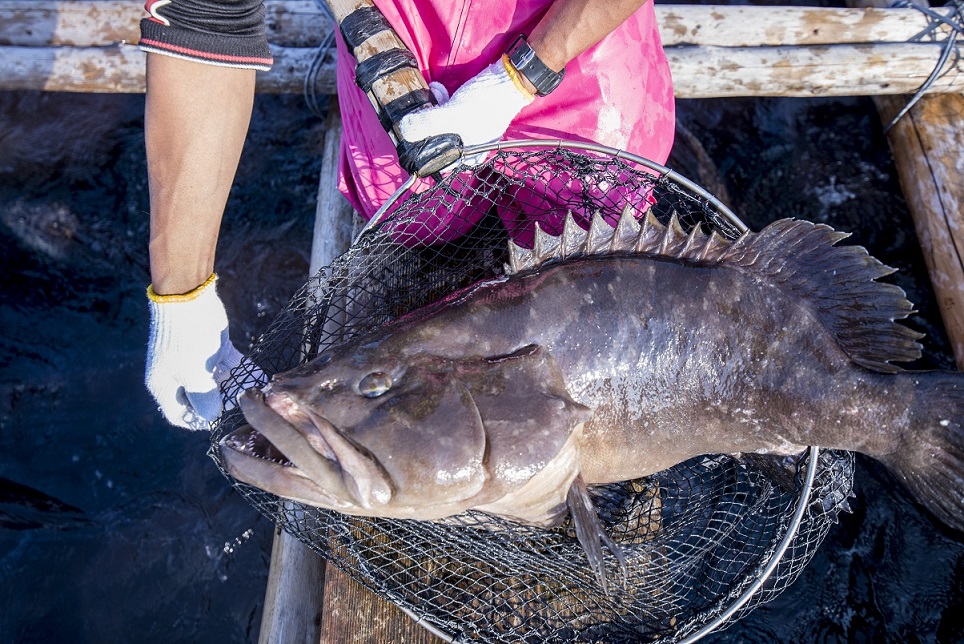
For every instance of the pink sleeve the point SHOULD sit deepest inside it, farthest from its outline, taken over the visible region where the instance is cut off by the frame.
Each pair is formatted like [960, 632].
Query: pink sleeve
[618, 93]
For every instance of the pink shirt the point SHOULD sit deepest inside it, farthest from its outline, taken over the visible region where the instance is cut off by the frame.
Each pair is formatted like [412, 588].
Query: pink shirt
[618, 93]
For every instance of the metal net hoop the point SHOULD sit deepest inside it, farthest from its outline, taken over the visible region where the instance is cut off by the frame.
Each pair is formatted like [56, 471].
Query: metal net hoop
[705, 541]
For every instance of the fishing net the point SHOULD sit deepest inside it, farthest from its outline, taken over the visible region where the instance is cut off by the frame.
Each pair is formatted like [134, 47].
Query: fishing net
[705, 541]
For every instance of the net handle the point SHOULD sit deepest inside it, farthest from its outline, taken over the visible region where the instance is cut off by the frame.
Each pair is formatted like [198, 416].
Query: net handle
[561, 144]
[387, 71]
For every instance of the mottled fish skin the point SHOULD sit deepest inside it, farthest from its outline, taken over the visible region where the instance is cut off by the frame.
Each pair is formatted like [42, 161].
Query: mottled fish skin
[610, 354]
[714, 364]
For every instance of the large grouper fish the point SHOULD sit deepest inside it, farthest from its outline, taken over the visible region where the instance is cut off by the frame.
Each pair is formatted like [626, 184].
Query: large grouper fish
[604, 355]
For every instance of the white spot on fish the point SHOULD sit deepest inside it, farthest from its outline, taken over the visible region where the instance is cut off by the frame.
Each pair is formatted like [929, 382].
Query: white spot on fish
[945, 422]
[448, 477]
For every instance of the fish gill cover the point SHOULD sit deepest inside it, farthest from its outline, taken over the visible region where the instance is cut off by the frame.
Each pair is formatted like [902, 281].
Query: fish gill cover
[695, 537]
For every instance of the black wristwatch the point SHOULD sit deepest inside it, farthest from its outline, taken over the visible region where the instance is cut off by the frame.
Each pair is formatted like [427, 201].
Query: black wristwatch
[528, 64]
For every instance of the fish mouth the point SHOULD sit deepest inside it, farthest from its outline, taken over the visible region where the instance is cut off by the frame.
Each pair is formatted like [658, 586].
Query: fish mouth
[295, 453]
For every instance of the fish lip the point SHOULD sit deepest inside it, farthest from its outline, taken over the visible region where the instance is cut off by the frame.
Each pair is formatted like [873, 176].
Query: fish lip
[280, 479]
[317, 448]
[307, 423]
[288, 439]
[362, 475]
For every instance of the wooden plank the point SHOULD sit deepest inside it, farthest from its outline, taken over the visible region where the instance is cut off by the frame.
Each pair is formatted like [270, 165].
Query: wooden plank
[698, 72]
[928, 148]
[334, 216]
[355, 614]
[293, 597]
[834, 70]
[120, 69]
[747, 26]
[306, 600]
[301, 23]
[92, 23]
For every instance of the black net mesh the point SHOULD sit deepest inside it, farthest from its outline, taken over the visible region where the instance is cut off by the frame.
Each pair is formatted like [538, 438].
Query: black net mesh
[696, 537]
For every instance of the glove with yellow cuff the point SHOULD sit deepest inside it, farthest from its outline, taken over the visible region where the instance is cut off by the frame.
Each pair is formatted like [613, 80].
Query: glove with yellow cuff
[189, 355]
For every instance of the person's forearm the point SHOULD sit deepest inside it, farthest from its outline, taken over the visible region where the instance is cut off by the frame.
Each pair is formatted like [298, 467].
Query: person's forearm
[196, 119]
[570, 27]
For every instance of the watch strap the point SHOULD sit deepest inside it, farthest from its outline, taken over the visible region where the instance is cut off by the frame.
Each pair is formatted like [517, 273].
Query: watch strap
[524, 59]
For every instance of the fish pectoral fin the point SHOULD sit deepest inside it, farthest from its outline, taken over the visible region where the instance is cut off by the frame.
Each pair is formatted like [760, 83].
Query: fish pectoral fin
[590, 533]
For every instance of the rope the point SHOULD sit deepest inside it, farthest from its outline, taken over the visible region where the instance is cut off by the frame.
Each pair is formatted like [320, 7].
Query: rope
[954, 20]
[319, 105]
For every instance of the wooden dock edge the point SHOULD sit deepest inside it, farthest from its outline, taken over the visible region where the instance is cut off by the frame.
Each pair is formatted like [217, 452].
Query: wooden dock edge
[713, 51]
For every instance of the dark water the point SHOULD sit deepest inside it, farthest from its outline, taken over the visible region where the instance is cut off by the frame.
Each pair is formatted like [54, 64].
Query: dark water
[115, 527]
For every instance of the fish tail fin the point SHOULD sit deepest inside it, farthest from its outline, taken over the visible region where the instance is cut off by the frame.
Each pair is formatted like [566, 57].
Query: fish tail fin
[930, 460]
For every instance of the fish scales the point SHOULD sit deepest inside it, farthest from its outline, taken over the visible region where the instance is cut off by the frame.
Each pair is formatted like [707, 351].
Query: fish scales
[677, 368]
[607, 355]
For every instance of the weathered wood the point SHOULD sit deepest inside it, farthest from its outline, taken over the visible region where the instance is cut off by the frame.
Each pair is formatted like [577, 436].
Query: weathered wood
[120, 69]
[833, 70]
[928, 148]
[698, 72]
[746, 26]
[293, 597]
[355, 614]
[301, 23]
[334, 217]
[92, 23]
[307, 601]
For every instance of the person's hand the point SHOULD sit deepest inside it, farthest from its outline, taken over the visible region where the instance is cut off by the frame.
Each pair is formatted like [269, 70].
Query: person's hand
[479, 112]
[189, 355]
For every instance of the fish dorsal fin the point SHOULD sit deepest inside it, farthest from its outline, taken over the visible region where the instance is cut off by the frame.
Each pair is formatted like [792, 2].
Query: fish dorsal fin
[840, 284]
[800, 257]
[629, 236]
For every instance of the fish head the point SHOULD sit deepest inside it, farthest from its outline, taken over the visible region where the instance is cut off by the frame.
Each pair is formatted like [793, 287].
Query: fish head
[415, 436]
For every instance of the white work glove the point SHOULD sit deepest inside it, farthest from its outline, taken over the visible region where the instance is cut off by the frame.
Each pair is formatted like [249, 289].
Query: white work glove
[189, 355]
[480, 111]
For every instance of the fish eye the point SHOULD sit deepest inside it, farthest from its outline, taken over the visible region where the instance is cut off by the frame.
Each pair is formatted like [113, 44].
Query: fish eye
[374, 384]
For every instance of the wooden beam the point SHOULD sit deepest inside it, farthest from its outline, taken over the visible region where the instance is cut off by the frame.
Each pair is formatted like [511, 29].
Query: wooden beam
[928, 148]
[120, 69]
[698, 72]
[293, 597]
[93, 23]
[748, 26]
[307, 600]
[823, 70]
[301, 23]
[355, 614]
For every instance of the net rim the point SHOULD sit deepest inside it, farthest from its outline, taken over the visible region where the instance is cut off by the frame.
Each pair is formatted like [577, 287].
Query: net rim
[789, 522]
[775, 559]
[499, 146]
